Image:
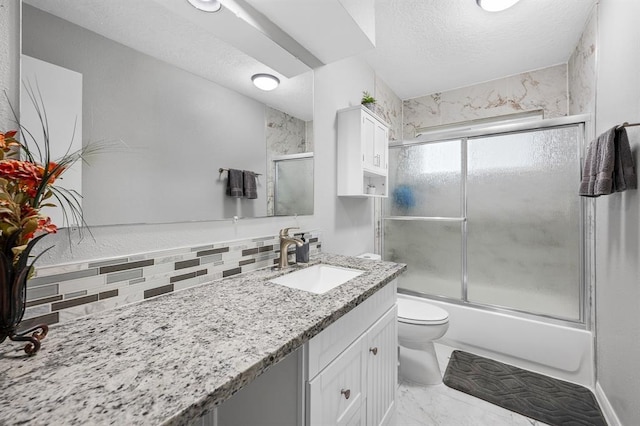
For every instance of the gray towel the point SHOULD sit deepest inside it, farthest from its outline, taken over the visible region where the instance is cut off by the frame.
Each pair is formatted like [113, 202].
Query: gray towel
[250, 185]
[624, 175]
[609, 165]
[234, 183]
[597, 177]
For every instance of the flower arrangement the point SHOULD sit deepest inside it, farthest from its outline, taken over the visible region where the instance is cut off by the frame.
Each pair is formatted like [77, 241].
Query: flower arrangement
[27, 177]
[25, 186]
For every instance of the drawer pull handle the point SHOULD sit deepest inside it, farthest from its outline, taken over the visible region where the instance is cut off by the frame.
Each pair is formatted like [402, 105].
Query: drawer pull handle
[346, 393]
[374, 350]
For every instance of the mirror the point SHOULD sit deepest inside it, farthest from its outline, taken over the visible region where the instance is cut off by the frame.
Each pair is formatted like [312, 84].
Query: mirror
[179, 121]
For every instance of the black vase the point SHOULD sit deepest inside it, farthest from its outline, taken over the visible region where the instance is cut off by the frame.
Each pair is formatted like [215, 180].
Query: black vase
[13, 299]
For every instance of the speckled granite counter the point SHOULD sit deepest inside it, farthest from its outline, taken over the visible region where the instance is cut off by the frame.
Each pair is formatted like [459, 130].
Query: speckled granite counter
[168, 360]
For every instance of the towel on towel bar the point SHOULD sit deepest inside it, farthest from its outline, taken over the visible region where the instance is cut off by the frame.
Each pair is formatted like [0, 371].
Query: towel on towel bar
[250, 185]
[624, 170]
[608, 166]
[234, 183]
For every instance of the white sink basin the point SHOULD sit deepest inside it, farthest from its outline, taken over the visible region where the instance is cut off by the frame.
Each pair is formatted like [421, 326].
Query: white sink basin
[317, 278]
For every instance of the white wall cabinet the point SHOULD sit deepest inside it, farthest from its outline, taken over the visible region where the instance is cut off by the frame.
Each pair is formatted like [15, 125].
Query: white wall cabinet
[358, 386]
[363, 150]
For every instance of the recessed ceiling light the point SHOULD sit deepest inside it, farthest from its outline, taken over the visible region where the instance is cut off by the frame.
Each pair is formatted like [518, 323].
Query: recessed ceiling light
[206, 5]
[265, 81]
[496, 5]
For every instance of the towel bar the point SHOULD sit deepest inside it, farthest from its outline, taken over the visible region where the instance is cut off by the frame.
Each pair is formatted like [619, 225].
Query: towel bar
[220, 170]
[627, 124]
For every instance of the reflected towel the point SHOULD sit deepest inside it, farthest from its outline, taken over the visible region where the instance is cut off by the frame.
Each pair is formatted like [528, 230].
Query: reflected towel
[234, 183]
[597, 176]
[250, 185]
[624, 174]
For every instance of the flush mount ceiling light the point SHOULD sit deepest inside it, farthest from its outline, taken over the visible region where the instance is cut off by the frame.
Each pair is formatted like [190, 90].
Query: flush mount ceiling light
[496, 5]
[206, 5]
[265, 81]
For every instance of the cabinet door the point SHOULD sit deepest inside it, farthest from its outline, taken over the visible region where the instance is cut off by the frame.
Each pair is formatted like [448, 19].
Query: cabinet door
[381, 146]
[368, 135]
[382, 369]
[336, 394]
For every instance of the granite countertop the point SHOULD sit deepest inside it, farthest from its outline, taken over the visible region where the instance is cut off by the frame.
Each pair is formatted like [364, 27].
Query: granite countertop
[169, 359]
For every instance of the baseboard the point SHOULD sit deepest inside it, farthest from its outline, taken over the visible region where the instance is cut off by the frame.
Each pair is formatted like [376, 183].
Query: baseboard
[605, 406]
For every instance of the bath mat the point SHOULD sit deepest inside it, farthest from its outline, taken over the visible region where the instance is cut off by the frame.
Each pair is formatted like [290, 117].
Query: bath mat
[542, 398]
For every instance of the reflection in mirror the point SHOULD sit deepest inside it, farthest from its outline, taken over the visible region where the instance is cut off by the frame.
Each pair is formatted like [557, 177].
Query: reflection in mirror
[293, 184]
[178, 128]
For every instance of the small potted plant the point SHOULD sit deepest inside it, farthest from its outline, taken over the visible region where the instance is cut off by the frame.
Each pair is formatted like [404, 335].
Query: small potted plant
[368, 100]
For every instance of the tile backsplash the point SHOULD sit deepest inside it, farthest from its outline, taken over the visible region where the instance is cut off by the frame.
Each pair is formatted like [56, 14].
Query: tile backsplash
[61, 293]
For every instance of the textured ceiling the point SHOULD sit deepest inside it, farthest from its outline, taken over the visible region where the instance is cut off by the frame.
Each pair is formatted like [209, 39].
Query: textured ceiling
[422, 46]
[428, 46]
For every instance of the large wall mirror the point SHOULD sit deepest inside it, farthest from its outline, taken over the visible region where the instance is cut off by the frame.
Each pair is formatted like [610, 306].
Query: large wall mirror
[152, 84]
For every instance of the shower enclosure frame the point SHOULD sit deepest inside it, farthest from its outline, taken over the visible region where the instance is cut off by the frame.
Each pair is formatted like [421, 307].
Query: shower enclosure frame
[276, 173]
[586, 218]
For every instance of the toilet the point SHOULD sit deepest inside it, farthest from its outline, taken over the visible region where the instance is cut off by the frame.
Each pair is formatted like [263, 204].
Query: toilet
[419, 324]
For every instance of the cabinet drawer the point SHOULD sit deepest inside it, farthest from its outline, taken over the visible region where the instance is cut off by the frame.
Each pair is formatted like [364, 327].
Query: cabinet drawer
[330, 342]
[336, 394]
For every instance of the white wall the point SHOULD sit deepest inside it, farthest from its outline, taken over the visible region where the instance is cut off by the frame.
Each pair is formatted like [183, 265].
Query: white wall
[9, 57]
[346, 223]
[618, 215]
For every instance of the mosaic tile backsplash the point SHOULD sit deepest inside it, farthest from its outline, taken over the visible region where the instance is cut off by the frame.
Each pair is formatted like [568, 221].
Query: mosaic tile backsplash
[63, 292]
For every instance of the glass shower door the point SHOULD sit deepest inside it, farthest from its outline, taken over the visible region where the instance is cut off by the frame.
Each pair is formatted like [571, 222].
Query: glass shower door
[523, 222]
[423, 223]
[293, 185]
[491, 220]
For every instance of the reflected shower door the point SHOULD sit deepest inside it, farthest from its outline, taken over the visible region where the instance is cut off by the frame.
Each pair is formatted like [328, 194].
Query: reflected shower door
[523, 222]
[293, 187]
[423, 223]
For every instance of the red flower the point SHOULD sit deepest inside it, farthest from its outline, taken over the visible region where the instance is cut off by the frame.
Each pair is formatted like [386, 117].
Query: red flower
[7, 141]
[55, 171]
[28, 175]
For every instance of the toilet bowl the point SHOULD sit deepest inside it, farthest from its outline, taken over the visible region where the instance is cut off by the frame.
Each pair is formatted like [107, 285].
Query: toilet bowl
[419, 324]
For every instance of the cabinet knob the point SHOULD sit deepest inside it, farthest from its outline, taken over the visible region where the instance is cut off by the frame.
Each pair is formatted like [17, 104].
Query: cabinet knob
[374, 350]
[346, 393]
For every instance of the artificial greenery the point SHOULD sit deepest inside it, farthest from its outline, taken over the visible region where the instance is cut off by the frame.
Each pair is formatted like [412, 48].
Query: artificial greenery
[367, 98]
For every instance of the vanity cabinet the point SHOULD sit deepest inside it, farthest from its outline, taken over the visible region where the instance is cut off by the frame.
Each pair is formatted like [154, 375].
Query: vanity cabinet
[346, 375]
[363, 151]
[353, 366]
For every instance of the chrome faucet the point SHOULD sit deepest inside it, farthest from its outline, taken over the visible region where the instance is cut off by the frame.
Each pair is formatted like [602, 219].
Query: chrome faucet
[285, 242]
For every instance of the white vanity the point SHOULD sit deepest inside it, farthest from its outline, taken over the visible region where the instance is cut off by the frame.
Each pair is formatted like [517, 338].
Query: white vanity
[352, 365]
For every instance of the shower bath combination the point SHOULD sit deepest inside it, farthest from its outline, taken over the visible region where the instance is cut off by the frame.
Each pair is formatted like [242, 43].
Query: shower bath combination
[491, 226]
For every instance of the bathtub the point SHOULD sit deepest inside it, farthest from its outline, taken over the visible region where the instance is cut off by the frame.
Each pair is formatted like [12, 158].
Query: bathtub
[562, 352]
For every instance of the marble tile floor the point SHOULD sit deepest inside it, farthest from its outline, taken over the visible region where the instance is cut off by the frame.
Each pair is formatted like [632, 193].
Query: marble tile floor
[440, 405]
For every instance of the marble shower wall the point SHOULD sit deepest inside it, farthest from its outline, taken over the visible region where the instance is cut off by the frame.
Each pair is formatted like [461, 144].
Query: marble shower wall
[389, 108]
[582, 71]
[544, 89]
[285, 134]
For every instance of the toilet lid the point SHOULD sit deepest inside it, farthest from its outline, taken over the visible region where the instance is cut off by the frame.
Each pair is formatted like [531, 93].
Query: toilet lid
[418, 312]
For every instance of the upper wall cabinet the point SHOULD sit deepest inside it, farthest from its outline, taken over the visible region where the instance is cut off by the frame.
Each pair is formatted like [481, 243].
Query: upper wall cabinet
[363, 147]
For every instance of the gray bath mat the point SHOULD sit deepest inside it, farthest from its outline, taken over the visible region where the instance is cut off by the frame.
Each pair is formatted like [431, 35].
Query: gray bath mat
[548, 400]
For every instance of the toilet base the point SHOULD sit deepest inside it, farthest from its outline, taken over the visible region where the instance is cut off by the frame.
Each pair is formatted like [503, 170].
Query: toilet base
[420, 366]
